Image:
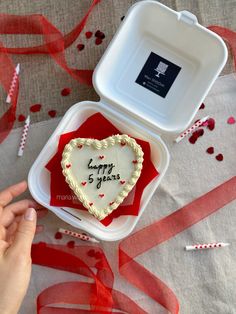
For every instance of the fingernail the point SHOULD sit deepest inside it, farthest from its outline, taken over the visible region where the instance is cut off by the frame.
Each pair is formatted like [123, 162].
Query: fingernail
[30, 214]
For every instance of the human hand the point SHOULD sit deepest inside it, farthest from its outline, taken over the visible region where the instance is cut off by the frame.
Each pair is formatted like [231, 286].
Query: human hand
[17, 229]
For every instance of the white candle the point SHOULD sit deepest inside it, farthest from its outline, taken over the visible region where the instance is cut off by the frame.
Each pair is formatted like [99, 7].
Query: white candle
[205, 246]
[191, 129]
[24, 136]
[13, 83]
[78, 235]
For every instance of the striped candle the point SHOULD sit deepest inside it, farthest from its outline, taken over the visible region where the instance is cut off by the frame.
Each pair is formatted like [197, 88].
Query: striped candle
[205, 246]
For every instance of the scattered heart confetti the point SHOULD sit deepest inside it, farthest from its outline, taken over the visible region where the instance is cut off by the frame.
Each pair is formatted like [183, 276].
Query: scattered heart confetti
[58, 235]
[202, 106]
[84, 183]
[68, 166]
[211, 124]
[80, 47]
[35, 108]
[21, 118]
[66, 91]
[231, 120]
[111, 203]
[122, 182]
[88, 34]
[219, 157]
[210, 150]
[193, 138]
[98, 41]
[100, 34]
[79, 146]
[101, 157]
[52, 113]
[101, 195]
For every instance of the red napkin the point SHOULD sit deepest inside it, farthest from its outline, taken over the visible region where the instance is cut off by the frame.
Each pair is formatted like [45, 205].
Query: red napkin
[96, 126]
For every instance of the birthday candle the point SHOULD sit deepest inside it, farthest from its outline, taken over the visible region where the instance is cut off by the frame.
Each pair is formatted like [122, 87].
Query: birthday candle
[205, 246]
[13, 83]
[191, 129]
[24, 136]
[80, 236]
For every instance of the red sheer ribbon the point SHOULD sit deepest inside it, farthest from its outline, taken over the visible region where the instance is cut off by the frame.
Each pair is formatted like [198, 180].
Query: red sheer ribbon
[100, 294]
[54, 45]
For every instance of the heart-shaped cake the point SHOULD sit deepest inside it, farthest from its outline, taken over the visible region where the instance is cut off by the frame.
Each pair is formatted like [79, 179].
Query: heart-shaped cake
[102, 173]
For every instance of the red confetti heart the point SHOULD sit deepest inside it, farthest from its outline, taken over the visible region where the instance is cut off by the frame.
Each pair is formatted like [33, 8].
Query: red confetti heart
[211, 124]
[134, 161]
[52, 113]
[101, 195]
[90, 204]
[202, 106]
[35, 108]
[80, 146]
[70, 244]
[58, 236]
[122, 144]
[231, 120]
[122, 182]
[100, 34]
[210, 150]
[84, 183]
[219, 157]
[101, 157]
[111, 203]
[88, 34]
[21, 118]
[193, 138]
[68, 166]
[66, 91]
[98, 41]
[80, 47]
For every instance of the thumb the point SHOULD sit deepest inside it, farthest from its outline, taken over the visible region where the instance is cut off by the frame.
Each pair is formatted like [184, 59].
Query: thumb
[25, 232]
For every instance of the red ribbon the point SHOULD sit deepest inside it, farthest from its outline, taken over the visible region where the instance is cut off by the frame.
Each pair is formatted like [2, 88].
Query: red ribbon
[54, 45]
[100, 294]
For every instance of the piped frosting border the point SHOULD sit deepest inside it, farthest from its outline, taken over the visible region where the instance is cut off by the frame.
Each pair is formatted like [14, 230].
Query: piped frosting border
[97, 144]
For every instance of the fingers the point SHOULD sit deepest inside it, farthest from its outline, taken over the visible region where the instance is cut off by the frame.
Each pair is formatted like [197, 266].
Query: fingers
[11, 211]
[7, 195]
[25, 233]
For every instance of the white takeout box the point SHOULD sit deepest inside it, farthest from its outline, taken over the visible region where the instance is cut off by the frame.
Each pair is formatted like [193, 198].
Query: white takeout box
[152, 79]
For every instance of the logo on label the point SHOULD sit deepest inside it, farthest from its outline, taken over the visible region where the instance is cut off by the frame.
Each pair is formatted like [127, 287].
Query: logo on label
[161, 69]
[158, 74]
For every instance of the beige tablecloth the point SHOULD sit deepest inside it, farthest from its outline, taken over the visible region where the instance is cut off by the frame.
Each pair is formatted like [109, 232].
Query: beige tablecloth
[204, 282]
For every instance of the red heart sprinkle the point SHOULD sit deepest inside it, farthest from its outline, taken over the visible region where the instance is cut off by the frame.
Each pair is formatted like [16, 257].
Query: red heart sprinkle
[101, 157]
[211, 124]
[90, 204]
[210, 150]
[80, 47]
[134, 161]
[202, 106]
[122, 143]
[79, 146]
[68, 166]
[122, 182]
[101, 195]
[98, 41]
[230, 120]
[88, 34]
[35, 108]
[111, 203]
[84, 183]
[219, 157]
[21, 118]
[66, 91]
[52, 113]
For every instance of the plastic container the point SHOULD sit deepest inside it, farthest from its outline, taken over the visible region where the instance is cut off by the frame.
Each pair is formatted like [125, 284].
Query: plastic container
[152, 79]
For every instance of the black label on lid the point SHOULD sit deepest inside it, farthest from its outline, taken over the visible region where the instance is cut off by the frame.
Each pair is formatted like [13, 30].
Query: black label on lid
[158, 74]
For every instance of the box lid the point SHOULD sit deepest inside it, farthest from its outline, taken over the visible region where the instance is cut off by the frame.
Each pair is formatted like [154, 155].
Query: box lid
[159, 66]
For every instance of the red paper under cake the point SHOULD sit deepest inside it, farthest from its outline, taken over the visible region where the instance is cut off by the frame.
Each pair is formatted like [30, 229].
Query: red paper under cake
[98, 127]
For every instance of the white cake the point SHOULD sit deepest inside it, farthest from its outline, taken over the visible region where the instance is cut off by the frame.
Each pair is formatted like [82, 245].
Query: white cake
[102, 173]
